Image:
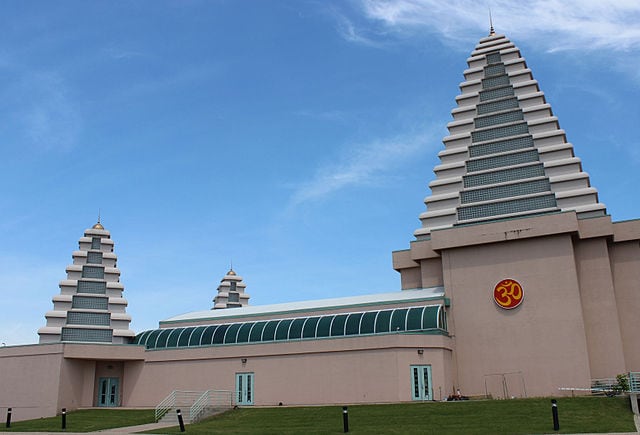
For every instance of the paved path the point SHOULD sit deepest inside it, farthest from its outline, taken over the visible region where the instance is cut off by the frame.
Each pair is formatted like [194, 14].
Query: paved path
[116, 431]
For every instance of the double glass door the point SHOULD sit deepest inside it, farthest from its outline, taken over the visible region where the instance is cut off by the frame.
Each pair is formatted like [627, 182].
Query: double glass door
[109, 392]
[244, 389]
[421, 383]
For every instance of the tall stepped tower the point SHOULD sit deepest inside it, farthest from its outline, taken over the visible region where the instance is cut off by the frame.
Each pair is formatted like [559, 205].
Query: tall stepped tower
[506, 155]
[90, 306]
[231, 292]
[541, 284]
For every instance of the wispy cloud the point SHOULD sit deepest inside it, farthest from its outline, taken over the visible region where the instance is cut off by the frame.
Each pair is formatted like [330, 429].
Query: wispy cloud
[39, 108]
[48, 117]
[122, 53]
[186, 75]
[552, 24]
[350, 31]
[338, 116]
[364, 164]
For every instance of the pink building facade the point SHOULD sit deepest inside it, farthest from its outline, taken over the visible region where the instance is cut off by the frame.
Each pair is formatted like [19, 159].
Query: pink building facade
[517, 284]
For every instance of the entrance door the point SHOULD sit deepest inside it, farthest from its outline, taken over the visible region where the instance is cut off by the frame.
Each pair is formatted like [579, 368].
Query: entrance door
[244, 388]
[108, 392]
[421, 383]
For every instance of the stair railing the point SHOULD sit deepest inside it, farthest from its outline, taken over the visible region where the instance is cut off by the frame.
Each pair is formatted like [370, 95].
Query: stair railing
[199, 406]
[166, 404]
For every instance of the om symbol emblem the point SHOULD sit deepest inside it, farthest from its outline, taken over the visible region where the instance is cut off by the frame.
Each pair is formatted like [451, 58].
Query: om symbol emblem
[508, 294]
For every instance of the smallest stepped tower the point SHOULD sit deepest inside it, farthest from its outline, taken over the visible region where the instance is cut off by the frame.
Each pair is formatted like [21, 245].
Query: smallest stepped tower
[90, 307]
[231, 292]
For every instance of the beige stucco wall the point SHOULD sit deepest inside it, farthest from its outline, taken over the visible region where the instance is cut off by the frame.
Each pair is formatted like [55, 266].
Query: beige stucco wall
[543, 339]
[582, 294]
[625, 265]
[597, 297]
[39, 380]
[347, 370]
[29, 380]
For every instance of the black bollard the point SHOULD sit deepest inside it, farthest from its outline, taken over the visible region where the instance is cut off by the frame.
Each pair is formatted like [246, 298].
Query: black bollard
[8, 417]
[554, 412]
[180, 421]
[345, 419]
[64, 418]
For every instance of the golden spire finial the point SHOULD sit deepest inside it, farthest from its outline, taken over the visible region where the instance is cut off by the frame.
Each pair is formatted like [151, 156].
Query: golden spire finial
[98, 225]
[231, 272]
[491, 30]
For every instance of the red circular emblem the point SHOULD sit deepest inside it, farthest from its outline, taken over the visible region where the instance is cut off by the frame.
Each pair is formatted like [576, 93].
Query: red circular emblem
[508, 294]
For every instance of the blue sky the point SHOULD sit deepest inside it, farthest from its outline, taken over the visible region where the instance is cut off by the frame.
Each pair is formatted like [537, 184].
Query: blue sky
[294, 138]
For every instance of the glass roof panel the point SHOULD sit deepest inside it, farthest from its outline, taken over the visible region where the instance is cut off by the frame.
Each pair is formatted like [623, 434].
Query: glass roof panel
[195, 336]
[322, 330]
[337, 327]
[269, 332]
[172, 341]
[243, 333]
[295, 330]
[383, 321]
[283, 329]
[256, 332]
[353, 324]
[218, 335]
[399, 319]
[232, 333]
[309, 328]
[332, 325]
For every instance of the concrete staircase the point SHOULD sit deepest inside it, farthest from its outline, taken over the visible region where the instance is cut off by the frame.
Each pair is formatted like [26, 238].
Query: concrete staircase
[193, 405]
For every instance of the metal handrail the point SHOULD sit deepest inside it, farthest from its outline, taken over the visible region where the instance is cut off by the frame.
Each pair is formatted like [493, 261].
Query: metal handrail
[166, 404]
[195, 401]
[198, 406]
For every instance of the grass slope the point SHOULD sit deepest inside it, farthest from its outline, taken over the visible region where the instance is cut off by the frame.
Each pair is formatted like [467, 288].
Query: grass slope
[85, 420]
[523, 416]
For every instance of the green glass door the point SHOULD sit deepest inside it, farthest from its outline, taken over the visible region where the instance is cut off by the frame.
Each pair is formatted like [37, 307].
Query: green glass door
[244, 388]
[421, 383]
[109, 392]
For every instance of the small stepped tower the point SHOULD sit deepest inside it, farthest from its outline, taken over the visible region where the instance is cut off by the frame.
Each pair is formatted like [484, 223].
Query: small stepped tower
[90, 306]
[231, 292]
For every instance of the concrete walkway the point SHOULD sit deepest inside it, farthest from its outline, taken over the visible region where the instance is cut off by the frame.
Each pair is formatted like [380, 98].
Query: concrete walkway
[115, 431]
[133, 429]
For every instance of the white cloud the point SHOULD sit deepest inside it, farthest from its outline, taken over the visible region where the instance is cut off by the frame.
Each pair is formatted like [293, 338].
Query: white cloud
[364, 164]
[169, 81]
[41, 110]
[553, 24]
[121, 53]
[349, 31]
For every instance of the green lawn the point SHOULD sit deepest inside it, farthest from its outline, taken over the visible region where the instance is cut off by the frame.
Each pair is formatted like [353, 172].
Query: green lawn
[520, 416]
[85, 420]
[523, 416]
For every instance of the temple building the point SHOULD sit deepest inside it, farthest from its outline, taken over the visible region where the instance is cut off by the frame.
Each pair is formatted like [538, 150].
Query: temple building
[517, 284]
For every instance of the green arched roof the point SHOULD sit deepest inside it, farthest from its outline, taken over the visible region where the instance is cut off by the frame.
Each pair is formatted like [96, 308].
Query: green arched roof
[429, 318]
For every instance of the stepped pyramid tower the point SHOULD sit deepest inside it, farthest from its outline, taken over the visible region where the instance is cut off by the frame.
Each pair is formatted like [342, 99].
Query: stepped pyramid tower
[90, 306]
[506, 155]
[231, 292]
[540, 285]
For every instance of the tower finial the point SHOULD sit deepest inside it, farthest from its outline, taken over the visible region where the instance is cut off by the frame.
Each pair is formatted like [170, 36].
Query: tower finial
[491, 30]
[98, 225]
